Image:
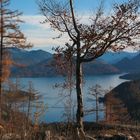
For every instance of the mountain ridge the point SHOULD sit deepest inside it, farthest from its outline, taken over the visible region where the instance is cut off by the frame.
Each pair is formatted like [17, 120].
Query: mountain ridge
[115, 57]
[129, 65]
[42, 66]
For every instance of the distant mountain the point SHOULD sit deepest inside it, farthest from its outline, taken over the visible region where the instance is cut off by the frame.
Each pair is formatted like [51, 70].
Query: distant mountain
[38, 64]
[114, 57]
[41, 69]
[45, 68]
[26, 58]
[129, 65]
[99, 67]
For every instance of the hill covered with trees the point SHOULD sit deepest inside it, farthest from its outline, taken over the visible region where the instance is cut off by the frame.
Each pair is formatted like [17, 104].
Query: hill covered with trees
[128, 94]
[26, 64]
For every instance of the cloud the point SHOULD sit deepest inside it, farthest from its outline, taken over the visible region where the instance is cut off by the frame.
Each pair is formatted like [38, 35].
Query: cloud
[47, 42]
[41, 35]
[35, 20]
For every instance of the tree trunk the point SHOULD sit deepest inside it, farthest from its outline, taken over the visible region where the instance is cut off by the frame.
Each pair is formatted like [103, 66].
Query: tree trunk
[0, 81]
[80, 110]
[97, 105]
[79, 96]
[1, 54]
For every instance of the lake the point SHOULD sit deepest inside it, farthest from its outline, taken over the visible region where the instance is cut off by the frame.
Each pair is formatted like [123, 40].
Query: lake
[55, 97]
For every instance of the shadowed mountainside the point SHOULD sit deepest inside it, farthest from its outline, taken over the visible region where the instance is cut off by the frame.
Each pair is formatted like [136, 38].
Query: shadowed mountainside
[131, 76]
[45, 68]
[115, 57]
[129, 65]
[129, 94]
[26, 58]
[38, 64]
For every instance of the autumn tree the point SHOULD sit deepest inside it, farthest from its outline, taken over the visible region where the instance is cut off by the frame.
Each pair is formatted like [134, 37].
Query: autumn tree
[65, 66]
[87, 42]
[10, 36]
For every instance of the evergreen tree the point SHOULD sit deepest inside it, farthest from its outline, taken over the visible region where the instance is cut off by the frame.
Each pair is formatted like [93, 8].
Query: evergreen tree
[10, 36]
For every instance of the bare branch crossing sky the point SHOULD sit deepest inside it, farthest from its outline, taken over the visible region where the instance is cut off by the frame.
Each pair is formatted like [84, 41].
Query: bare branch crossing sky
[40, 34]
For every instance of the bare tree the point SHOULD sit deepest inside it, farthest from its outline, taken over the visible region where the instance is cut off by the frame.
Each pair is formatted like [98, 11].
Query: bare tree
[87, 42]
[10, 34]
[64, 66]
[94, 94]
[30, 94]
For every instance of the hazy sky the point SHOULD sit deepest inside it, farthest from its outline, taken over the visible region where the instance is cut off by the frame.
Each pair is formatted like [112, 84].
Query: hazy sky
[40, 34]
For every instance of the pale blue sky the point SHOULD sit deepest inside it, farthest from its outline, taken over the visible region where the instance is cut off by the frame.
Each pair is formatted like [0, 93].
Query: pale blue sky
[30, 7]
[41, 35]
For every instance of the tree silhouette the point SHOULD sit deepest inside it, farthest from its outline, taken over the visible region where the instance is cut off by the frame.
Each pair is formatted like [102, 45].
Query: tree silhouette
[95, 92]
[87, 42]
[10, 36]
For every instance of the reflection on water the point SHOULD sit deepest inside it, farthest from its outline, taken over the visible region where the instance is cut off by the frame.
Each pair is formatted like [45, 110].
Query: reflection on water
[52, 96]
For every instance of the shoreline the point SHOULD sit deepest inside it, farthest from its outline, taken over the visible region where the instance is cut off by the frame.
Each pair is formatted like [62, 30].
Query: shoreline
[130, 76]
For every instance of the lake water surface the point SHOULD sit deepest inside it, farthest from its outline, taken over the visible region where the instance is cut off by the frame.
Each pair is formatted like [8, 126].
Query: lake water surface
[55, 101]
